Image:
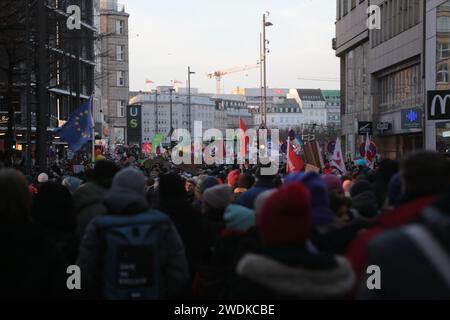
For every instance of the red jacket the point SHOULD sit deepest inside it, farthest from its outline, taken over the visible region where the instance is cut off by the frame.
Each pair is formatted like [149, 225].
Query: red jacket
[404, 214]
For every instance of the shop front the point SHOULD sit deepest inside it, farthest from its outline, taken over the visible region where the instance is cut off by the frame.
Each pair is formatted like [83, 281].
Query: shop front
[399, 132]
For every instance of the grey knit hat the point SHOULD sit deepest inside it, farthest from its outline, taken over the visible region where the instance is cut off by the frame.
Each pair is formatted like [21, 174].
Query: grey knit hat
[218, 197]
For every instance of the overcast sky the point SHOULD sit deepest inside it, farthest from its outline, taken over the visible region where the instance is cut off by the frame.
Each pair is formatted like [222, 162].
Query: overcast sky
[168, 36]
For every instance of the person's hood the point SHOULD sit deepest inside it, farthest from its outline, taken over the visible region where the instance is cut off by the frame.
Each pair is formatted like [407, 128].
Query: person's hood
[298, 282]
[366, 204]
[123, 201]
[88, 194]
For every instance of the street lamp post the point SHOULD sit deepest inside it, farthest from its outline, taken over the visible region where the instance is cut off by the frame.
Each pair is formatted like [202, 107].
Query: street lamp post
[189, 98]
[170, 117]
[264, 58]
[156, 111]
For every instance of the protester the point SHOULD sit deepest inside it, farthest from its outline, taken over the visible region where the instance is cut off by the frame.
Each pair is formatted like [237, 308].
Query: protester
[245, 182]
[364, 200]
[422, 246]
[284, 269]
[146, 239]
[172, 200]
[386, 170]
[32, 267]
[333, 184]
[263, 183]
[424, 175]
[233, 178]
[190, 190]
[214, 278]
[53, 210]
[215, 201]
[204, 183]
[89, 197]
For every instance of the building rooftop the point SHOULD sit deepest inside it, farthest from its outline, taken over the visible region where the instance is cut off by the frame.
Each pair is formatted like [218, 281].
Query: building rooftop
[310, 94]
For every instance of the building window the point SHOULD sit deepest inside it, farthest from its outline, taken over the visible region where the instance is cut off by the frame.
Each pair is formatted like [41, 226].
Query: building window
[120, 26]
[442, 74]
[120, 78]
[121, 108]
[120, 53]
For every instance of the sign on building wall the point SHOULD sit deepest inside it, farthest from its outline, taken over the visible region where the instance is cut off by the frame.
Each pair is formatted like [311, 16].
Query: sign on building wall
[412, 118]
[134, 127]
[438, 105]
[365, 127]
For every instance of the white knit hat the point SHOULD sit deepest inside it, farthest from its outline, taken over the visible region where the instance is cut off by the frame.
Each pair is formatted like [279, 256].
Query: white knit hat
[42, 178]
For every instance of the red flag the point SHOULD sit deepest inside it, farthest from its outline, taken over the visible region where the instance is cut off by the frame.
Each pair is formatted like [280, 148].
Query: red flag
[294, 162]
[244, 145]
[148, 81]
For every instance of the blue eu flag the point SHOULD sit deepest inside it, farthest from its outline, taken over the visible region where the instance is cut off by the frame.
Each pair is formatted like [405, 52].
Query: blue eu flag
[78, 129]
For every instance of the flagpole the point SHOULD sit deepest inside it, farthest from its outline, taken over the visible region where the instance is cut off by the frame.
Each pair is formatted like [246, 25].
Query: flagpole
[93, 129]
[287, 162]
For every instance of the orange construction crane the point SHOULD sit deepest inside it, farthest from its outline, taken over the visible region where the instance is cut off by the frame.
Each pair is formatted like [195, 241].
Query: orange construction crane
[219, 74]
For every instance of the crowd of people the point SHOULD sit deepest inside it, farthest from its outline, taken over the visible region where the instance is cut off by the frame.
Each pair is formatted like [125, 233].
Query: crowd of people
[227, 232]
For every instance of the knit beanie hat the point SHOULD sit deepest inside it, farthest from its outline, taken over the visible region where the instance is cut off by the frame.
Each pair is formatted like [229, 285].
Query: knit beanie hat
[261, 199]
[394, 191]
[42, 178]
[321, 213]
[218, 197]
[131, 180]
[360, 187]
[239, 218]
[206, 183]
[233, 178]
[285, 217]
[333, 183]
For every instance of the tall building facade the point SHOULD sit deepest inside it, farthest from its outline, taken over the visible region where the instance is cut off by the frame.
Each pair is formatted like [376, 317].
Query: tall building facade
[382, 73]
[313, 105]
[437, 80]
[70, 61]
[333, 107]
[156, 112]
[114, 70]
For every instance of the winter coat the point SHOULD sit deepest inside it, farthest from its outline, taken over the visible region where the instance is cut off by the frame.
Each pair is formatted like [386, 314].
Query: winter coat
[189, 226]
[407, 272]
[337, 240]
[173, 263]
[32, 267]
[357, 250]
[212, 281]
[88, 203]
[291, 273]
[366, 204]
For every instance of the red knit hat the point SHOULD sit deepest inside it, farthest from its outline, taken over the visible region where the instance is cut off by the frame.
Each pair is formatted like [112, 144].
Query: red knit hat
[233, 178]
[286, 216]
